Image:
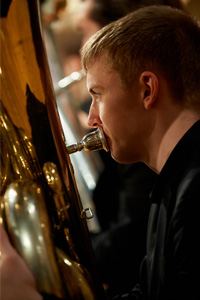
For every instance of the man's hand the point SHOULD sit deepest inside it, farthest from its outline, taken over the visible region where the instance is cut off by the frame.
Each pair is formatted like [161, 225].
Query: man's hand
[16, 280]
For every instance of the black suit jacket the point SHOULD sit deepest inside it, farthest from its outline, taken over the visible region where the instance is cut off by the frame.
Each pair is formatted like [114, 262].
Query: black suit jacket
[170, 270]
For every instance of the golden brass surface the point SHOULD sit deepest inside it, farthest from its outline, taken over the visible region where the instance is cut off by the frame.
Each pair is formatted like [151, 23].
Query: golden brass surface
[40, 204]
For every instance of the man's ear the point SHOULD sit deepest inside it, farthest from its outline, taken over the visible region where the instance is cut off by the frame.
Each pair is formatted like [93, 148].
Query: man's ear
[150, 88]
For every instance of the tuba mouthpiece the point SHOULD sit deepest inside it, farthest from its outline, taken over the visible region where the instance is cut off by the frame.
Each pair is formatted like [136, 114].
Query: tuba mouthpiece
[92, 141]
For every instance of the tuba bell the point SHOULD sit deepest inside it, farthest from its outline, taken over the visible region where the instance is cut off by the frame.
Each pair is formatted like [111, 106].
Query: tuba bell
[40, 204]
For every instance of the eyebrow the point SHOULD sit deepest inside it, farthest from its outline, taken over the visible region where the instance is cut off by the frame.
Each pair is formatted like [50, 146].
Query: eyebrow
[91, 89]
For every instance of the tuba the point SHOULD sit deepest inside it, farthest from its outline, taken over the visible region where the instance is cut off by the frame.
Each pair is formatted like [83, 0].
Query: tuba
[40, 204]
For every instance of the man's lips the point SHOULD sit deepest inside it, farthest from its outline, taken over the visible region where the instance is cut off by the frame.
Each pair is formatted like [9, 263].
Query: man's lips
[108, 141]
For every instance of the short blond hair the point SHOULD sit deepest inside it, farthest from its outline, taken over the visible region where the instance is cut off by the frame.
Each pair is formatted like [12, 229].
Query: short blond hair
[154, 38]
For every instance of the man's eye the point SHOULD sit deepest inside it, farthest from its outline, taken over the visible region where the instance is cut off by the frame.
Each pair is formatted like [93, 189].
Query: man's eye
[95, 94]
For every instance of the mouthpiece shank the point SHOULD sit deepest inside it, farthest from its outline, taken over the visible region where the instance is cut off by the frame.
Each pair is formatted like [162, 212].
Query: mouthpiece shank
[92, 141]
[74, 148]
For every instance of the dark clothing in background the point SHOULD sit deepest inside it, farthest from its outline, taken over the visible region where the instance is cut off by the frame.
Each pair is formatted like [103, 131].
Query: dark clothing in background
[170, 270]
[122, 208]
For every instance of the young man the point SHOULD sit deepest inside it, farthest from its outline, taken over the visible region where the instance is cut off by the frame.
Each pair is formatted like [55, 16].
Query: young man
[122, 188]
[143, 73]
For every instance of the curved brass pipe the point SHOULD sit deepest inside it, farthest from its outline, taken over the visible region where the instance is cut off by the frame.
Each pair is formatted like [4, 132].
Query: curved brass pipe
[40, 203]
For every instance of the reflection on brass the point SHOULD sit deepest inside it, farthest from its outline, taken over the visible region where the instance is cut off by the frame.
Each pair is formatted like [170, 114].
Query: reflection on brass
[54, 181]
[25, 212]
[40, 204]
[75, 278]
[18, 157]
[92, 141]
[23, 206]
[29, 226]
[76, 273]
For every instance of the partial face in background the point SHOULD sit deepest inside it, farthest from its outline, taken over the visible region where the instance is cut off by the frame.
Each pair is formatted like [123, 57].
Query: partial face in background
[85, 24]
[120, 113]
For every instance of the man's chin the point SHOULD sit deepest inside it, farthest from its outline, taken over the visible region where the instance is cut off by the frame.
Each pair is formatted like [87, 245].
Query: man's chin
[117, 158]
[122, 159]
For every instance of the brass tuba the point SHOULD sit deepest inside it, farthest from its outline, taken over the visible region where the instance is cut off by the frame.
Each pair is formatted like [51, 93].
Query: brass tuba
[40, 205]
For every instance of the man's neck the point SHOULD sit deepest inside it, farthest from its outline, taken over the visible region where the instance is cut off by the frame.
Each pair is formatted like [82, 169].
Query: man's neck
[170, 135]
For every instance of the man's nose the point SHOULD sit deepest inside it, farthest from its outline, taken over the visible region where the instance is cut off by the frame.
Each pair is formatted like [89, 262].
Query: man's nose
[93, 118]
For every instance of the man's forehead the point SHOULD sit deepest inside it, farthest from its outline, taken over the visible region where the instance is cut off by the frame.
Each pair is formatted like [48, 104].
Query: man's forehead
[100, 62]
[100, 75]
[95, 78]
